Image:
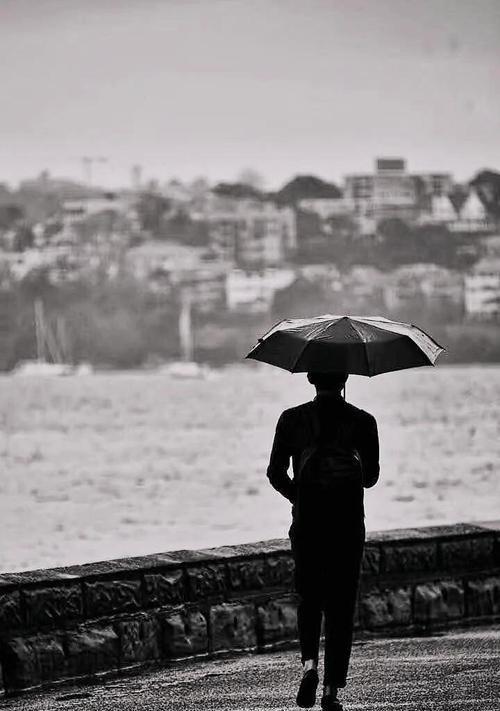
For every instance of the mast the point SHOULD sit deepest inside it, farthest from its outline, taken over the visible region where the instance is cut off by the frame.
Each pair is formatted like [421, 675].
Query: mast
[41, 354]
[46, 342]
[185, 327]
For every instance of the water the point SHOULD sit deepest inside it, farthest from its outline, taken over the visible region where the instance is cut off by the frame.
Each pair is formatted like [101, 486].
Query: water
[133, 463]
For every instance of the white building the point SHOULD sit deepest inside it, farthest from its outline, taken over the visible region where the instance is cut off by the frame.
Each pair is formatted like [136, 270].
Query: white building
[482, 289]
[425, 280]
[254, 291]
[473, 216]
[439, 211]
[76, 210]
[326, 207]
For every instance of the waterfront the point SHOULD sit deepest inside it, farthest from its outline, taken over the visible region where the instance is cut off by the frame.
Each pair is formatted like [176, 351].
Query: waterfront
[128, 463]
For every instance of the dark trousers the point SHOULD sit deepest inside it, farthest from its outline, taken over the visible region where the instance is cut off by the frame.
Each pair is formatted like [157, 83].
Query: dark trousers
[327, 566]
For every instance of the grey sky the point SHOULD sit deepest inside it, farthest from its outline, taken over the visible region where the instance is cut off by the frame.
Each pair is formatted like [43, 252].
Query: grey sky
[190, 87]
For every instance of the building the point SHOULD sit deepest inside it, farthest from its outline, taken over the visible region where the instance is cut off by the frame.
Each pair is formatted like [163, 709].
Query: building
[253, 291]
[391, 191]
[169, 268]
[423, 281]
[325, 275]
[387, 192]
[472, 216]
[438, 209]
[251, 232]
[81, 208]
[482, 289]
[326, 207]
[435, 183]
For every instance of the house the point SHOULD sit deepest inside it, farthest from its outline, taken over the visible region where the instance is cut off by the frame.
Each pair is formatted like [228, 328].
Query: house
[482, 289]
[473, 216]
[435, 183]
[425, 281]
[438, 210]
[362, 283]
[162, 255]
[253, 291]
[167, 267]
[325, 207]
[78, 209]
[251, 232]
[326, 275]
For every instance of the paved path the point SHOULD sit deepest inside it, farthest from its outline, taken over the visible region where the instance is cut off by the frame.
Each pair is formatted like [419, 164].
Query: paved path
[453, 672]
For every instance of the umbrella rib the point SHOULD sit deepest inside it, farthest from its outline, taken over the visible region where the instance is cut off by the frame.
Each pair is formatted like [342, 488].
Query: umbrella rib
[299, 356]
[306, 344]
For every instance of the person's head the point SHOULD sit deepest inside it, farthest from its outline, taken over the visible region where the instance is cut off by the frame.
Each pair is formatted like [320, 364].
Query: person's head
[328, 382]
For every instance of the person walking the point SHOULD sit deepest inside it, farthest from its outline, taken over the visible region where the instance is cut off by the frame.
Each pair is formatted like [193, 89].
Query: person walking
[334, 449]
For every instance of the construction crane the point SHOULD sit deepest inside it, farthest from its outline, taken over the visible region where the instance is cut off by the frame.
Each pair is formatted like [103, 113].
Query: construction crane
[88, 163]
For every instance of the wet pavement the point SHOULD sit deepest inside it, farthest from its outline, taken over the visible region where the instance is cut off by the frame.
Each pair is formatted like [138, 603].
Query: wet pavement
[455, 671]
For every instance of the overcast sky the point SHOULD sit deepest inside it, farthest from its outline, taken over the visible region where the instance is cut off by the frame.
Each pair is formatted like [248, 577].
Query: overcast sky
[208, 87]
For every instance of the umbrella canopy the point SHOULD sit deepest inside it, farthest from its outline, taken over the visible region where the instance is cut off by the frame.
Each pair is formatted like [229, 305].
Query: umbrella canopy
[362, 345]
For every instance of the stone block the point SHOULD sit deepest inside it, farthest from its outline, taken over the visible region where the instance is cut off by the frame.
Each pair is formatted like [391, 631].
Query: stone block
[53, 606]
[31, 661]
[483, 597]
[410, 558]
[277, 620]
[10, 610]
[280, 571]
[439, 601]
[468, 553]
[206, 581]
[247, 574]
[184, 633]
[166, 588]
[385, 608]
[110, 597]
[370, 564]
[139, 639]
[91, 650]
[232, 626]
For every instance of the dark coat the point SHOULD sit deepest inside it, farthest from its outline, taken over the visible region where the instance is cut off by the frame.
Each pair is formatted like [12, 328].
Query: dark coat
[297, 429]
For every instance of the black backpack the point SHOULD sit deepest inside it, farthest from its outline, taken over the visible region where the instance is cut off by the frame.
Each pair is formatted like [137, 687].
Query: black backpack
[329, 480]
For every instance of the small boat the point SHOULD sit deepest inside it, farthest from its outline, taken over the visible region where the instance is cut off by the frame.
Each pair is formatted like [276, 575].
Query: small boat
[42, 367]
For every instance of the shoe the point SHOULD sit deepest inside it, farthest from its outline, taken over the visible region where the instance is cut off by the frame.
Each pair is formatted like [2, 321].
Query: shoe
[331, 703]
[306, 695]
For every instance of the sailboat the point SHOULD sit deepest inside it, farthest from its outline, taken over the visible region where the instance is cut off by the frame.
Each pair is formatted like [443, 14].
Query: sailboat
[187, 367]
[51, 349]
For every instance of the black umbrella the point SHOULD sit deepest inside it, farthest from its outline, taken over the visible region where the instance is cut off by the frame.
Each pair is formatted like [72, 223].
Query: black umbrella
[362, 345]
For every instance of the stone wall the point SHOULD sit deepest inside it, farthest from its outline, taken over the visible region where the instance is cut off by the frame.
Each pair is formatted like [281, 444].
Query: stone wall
[86, 620]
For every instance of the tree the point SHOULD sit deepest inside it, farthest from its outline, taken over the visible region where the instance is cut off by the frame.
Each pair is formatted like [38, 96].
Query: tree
[487, 185]
[238, 191]
[397, 242]
[151, 209]
[10, 216]
[304, 187]
[302, 298]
